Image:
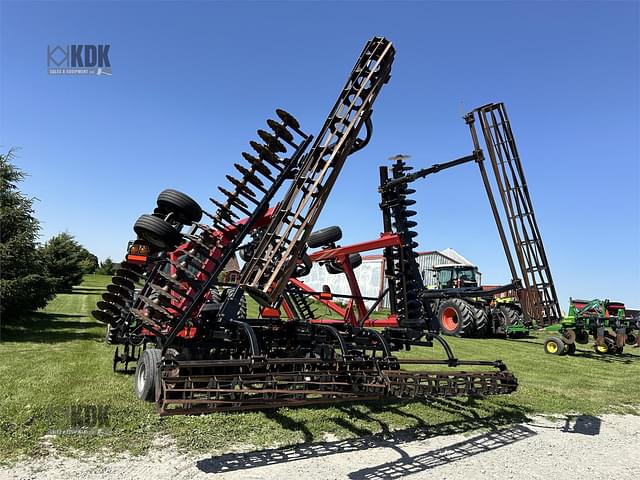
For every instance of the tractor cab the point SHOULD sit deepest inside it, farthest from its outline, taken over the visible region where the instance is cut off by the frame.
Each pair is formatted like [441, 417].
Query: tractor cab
[453, 275]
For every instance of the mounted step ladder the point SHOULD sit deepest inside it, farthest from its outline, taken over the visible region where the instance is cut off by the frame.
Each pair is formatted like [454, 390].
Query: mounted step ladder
[537, 293]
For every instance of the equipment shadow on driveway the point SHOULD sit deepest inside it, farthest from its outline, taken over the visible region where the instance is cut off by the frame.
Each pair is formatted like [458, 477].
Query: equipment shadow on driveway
[385, 439]
[479, 444]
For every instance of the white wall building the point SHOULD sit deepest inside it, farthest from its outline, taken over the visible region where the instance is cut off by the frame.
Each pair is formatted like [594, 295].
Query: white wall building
[370, 274]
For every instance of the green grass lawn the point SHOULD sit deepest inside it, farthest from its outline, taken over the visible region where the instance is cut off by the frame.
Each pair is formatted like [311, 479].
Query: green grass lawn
[57, 359]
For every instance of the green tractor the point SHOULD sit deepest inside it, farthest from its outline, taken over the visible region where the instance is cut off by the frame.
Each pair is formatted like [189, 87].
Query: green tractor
[464, 309]
[603, 320]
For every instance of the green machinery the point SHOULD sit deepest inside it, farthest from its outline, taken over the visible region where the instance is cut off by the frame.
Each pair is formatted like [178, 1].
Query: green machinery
[603, 320]
[495, 314]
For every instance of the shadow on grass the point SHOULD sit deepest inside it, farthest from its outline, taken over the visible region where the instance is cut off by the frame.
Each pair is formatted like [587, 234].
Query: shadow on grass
[389, 439]
[47, 327]
[86, 291]
[625, 358]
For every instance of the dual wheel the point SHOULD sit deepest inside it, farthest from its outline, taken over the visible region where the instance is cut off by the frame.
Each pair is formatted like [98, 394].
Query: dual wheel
[161, 230]
[556, 346]
[327, 237]
[609, 347]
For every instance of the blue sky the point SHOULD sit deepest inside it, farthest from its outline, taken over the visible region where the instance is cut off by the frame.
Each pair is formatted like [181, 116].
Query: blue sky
[193, 81]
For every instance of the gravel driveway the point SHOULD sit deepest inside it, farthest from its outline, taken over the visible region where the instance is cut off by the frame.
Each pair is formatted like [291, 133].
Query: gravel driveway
[558, 448]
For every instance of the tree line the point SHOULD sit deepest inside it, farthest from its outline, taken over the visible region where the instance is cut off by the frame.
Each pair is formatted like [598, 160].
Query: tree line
[32, 273]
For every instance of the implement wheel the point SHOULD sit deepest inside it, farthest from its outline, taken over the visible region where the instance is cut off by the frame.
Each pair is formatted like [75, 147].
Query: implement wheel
[324, 236]
[333, 268]
[185, 209]
[157, 232]
[554, 346]
[147, 369]
[570, 349]
[631, 339]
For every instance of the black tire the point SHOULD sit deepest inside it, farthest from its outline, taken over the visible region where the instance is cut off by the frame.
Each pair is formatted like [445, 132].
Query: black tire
[245, 254]
[157, 232]
[481, 319]
[554, 346]
[185, 209]
[324, 236]
[147, 370]
[631, 339]
[242, 310]
[304, 268]
[570, 349]
[582, 337]
[355, 259]
[455, 317]
[512, 315]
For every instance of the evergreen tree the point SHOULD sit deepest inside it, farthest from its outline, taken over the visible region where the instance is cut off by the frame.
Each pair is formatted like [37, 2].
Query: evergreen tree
[24, 284]
[89, 262]
[106, 268]
[64, 257]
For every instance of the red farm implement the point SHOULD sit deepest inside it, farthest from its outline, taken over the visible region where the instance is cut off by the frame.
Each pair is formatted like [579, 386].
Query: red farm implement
[196, 349]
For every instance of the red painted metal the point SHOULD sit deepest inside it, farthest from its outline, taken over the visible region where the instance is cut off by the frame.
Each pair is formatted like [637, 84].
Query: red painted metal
[356, 304]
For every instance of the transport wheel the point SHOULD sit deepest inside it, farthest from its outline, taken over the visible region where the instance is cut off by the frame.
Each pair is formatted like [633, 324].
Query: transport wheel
[554, 346]
[456, 317]
[157, 232]
[601, 349]
[355, 259]
[304, 268]
[570, 349]
[185, 209]
[611, 345]
[631, 339]
[147, 369]
[324, 236]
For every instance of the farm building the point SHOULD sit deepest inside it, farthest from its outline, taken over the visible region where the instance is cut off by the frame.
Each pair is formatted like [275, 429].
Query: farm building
[370, 274]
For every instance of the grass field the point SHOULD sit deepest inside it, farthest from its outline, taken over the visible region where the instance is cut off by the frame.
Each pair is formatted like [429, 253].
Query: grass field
[57, 359]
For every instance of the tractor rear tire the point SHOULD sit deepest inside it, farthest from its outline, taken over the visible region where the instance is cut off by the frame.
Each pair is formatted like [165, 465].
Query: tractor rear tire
[157, 232]
[147, 370]
[324, 236]
[355, 259]
[184, 208]
[554, 346]
[455, 317]
[511, 315]
[481, 320]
